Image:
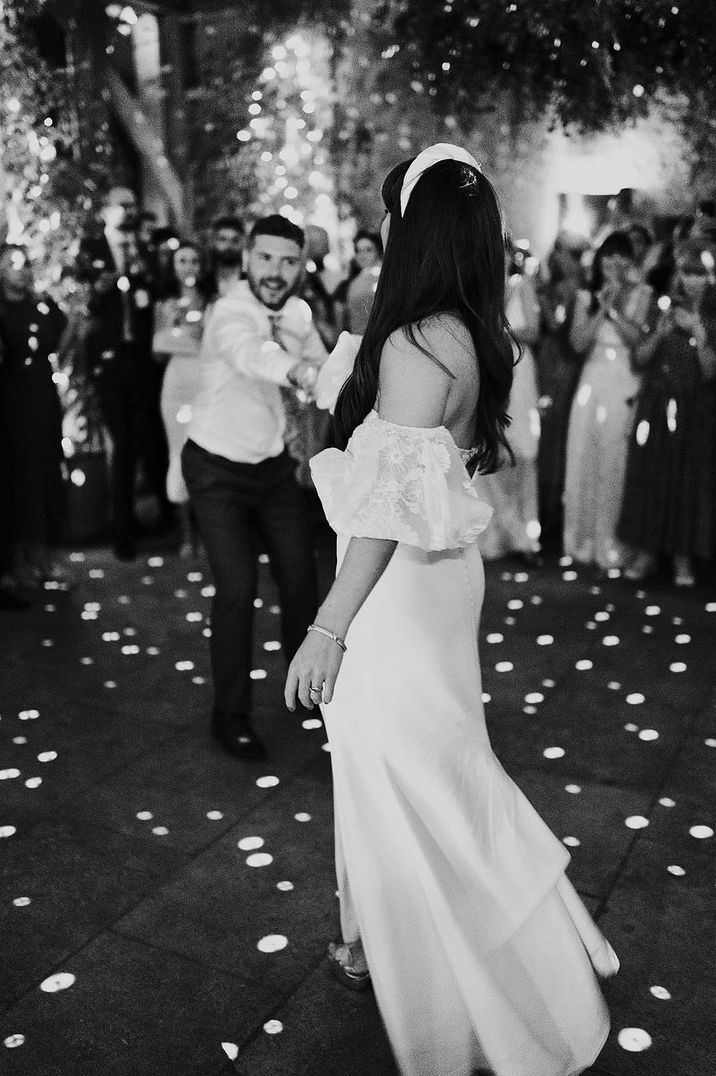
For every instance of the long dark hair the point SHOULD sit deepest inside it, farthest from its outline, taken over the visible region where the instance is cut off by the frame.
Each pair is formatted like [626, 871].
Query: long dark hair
[205, 286]
[446, 255]
[615, 243]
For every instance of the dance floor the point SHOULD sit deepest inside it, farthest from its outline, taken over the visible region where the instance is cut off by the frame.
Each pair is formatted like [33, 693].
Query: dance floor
[166, 908]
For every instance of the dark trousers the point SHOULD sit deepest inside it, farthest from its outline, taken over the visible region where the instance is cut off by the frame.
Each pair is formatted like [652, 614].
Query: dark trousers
[125, 393]
[236, 503]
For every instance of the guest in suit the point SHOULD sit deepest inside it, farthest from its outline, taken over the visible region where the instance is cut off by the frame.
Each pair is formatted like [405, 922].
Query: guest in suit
[120, 360]
[159, 256]
[226, 254]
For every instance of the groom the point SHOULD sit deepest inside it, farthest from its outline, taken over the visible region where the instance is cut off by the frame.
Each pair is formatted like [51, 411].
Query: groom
[258, 337]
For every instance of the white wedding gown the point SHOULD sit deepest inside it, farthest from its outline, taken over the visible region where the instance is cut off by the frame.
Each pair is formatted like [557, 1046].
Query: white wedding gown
[481, 953]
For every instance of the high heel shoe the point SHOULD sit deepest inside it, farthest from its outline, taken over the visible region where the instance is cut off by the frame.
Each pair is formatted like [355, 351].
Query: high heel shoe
[348, 964]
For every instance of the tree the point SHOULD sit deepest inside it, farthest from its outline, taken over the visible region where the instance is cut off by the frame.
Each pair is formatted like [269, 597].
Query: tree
[588, 64]
[55, 148]
[55, 157]
[258, 123]
[508, 78]
[261, 105]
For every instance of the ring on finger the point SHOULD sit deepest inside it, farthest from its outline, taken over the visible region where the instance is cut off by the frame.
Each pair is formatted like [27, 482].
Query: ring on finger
[315, 690]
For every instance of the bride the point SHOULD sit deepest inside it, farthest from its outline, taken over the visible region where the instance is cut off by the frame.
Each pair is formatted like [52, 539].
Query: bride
[454, 901]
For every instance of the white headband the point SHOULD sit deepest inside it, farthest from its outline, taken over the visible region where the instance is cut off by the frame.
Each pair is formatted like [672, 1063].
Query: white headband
[441, 151]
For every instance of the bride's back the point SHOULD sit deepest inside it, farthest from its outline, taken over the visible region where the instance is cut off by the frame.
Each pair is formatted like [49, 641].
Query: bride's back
[449, 343]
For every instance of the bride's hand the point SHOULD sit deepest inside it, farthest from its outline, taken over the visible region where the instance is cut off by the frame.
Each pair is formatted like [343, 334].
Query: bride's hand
[316, 664]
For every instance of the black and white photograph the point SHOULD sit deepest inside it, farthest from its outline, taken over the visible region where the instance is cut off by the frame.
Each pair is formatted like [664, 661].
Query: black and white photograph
[357, 537]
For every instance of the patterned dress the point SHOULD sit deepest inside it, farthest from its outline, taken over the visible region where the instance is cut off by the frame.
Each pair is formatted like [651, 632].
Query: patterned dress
[600, 421]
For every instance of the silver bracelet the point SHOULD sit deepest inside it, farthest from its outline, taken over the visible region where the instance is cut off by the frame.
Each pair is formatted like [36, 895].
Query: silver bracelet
[329, 635]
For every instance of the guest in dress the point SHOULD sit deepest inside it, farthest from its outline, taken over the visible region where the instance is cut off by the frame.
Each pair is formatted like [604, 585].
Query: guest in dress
[557, 373]
[178, 324]
[360, 288]
[609, 321]
[512, 490]
[670, 487]
[453, 896]
[31, 331]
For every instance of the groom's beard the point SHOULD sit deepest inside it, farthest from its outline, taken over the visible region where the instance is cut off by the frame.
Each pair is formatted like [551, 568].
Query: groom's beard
[271, 291]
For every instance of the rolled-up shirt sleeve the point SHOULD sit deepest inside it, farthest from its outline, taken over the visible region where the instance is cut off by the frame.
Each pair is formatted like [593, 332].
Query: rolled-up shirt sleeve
[238, 340]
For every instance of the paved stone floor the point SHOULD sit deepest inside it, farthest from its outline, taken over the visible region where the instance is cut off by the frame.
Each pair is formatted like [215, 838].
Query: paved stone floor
[164, 906]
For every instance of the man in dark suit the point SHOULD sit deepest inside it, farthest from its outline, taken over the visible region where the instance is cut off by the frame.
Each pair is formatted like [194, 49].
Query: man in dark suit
[119, 348]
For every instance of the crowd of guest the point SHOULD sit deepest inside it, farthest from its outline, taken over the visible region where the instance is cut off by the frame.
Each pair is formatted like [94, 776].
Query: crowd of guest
[613, 407]
[626, 372]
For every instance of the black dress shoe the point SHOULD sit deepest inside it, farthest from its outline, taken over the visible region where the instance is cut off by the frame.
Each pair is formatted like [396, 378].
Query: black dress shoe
[238, 738]
[123, 549]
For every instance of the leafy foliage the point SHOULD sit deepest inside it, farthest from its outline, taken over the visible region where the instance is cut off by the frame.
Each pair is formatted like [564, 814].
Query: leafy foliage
[257, 119]
[586, 64]
[55, 147]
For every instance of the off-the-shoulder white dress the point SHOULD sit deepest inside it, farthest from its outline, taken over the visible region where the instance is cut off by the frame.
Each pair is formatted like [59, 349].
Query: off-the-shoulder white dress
[481, 954]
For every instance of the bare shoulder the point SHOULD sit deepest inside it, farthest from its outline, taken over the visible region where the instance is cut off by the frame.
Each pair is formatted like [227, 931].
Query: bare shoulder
[413, 383]
[441, 340]
[403, 357]
[420, 376]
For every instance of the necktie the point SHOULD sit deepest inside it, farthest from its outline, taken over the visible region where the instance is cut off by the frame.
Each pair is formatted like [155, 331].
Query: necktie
[275, 323]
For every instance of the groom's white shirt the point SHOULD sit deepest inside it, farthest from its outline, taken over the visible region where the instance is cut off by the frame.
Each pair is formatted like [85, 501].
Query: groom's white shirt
[238, 412]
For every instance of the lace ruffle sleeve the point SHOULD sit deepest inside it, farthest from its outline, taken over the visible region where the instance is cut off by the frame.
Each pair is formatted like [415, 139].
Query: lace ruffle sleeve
[405, 483]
